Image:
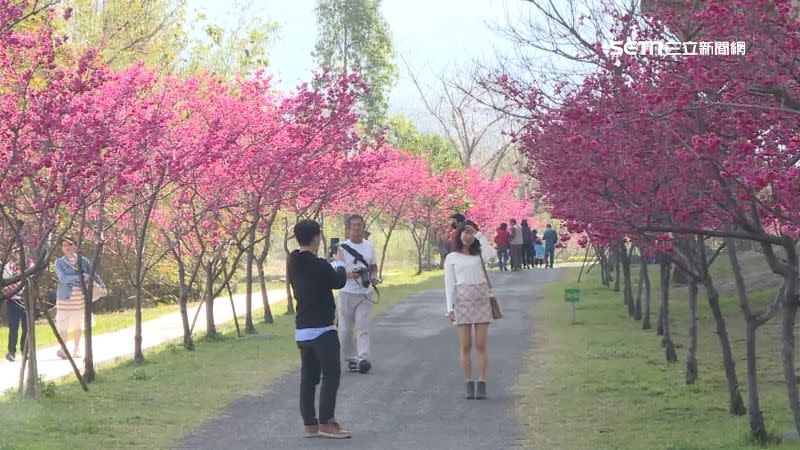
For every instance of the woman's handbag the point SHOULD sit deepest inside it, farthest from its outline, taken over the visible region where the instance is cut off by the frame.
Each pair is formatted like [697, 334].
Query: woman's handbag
[98, 291]
[497, 313]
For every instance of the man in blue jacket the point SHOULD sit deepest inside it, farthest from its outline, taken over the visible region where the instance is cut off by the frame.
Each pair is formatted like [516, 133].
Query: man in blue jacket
[550, 237]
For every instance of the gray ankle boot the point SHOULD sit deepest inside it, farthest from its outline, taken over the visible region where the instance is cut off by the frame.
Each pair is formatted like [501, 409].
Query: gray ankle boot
[470, 390]
[480, 392]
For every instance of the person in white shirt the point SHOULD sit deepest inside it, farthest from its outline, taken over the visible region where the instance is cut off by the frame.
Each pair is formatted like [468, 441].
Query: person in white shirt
[467, 293]
[355, 298]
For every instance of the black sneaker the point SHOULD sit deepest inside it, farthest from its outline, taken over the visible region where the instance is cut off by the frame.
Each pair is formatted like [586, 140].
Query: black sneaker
[10, 356]
[364, 366]
[352, 366]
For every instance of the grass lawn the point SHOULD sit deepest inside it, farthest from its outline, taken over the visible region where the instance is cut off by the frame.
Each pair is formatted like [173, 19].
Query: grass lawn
[155, 404]
[603, 383]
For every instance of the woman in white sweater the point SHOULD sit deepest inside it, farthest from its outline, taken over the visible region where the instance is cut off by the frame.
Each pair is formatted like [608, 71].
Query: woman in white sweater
[467, 293]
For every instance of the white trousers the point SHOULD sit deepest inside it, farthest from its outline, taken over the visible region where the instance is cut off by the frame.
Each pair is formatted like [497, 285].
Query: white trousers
[354, 313]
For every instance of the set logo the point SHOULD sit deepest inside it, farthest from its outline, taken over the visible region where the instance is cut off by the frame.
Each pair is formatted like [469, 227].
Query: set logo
[678, 48]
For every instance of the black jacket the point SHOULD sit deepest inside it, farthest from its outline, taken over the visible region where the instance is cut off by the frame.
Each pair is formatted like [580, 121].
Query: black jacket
[527, 235]
[312, 280]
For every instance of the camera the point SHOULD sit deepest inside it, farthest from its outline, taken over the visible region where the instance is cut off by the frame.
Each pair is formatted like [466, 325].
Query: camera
[364, 276]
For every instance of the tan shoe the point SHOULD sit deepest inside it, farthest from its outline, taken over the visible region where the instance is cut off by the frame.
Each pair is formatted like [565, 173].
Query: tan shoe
[311, 431]
[333, 430]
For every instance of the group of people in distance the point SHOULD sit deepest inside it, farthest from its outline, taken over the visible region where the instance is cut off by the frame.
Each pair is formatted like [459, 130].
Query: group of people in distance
[523, 247]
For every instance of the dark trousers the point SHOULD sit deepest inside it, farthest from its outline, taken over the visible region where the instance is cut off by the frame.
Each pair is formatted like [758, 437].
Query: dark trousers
[16, 317]
[319, 357]
[549, 256]
[502, 257]
[528, 253]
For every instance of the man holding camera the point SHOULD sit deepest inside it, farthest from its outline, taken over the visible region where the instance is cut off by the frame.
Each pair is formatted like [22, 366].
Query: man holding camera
[355, 298]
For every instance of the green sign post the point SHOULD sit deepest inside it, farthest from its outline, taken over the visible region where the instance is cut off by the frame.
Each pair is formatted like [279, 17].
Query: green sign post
[572, 296]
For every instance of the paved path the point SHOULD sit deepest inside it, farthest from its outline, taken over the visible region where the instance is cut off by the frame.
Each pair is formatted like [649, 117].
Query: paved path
[119, 344]
[412, 398]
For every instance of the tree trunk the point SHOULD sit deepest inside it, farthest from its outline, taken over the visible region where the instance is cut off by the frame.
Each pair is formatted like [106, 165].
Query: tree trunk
[248, 301]
[262, 282]
[790, 306]
[23, 365]
[188, 342]
[32, 387]
[88, 351]
[428, 251]
[627, 285]
[583, 265]
[418, 243]
[260, 263]
[691, 358]
[639, 291]
[660, 319]
[211, 329]
[679, 277]
[383, 252]
[138, 355]
[666, 342]
[617, 264]
[289, 299]
[737, 407]
[787, 352]
[63, 346]
[646, 314]
[289, 302]
[88, 291]
[141, 238]
[758, 429]
[603, 260]
[419, 260]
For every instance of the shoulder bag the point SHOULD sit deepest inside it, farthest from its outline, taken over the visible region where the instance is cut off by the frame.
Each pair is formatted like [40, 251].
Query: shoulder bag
[497, 313]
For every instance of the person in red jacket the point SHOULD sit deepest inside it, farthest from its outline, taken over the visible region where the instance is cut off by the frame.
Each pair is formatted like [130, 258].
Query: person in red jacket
[502, 241]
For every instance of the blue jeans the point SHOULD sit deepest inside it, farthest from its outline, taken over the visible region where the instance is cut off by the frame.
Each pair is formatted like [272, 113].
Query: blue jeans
[549, 255]
[502, 256]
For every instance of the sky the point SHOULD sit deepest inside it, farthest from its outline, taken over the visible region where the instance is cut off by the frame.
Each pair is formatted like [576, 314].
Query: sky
[433, 36]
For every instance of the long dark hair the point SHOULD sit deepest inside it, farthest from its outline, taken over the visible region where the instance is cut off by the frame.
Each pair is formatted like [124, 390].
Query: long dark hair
[475, 248]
